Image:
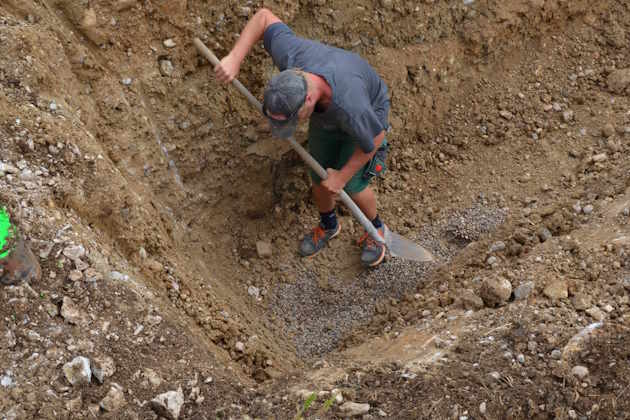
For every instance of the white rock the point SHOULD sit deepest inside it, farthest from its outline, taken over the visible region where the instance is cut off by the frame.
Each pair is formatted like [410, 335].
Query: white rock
[103, 367]
[580, 371]
[75, 275]
[10, 169]
[117, 276]
[166, 68]
[168, 404]
[353, 409]
[71, 313]
[497, 247]
[74, 252]
[567, 116]
[78, 371]
[27, 175]
[245, 11]
[253, 291]
[6, 381]
[264, 249]
[482, 408]
[169, 43]
[523, 290]
[506, 115]
[239, 346]
[114, 400]
[495, 291]
[595, 313]
[152, 377]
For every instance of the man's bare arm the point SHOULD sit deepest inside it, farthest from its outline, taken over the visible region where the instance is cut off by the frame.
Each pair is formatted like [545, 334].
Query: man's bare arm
[360, 158]
[253, 32]
[338, 179]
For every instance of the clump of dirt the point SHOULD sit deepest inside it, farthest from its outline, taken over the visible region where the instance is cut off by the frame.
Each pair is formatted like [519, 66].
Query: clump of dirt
[146, 190]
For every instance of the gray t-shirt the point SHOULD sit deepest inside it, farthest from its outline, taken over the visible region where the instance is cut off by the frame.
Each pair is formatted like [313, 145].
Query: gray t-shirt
[360, 103]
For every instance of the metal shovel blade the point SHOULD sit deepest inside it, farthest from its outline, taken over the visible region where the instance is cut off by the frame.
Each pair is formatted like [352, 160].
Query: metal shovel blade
[404, 248]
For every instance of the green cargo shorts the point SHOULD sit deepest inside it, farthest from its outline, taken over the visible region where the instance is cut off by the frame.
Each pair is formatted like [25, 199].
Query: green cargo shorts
[333, 148]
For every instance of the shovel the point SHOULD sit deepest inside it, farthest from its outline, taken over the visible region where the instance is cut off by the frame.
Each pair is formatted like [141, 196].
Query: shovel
[396, 244]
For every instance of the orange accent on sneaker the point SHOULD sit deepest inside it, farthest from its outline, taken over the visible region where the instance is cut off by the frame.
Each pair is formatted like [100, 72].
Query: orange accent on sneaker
[318, 233]
[366, 237]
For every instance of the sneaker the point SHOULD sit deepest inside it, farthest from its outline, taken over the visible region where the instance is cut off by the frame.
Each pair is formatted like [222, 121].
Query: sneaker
[373, 252]
[317, 240]
[19, 265]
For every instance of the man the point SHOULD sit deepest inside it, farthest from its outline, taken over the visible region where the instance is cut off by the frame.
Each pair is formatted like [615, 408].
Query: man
[347, 104]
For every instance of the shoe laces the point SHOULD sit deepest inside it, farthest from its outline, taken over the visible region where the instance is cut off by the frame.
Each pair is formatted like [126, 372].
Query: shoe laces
[368, 240]
[318, 233]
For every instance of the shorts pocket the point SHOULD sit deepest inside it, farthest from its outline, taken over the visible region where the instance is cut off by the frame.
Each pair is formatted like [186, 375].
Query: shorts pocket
[377, 166]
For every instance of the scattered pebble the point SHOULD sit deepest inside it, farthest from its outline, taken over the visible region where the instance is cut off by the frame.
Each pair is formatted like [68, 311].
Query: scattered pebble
[497, 247]
[71, 312]
[523, 291]
[595, 313]
[495, 291]
[264, 249]
[74, 252]
[78, 371]
[166, 68]
[544, 234]
[114, 400]
[556, 289]
[580, 371]
[567, 116]
[168, 404]
[103, 367]
[353, 409]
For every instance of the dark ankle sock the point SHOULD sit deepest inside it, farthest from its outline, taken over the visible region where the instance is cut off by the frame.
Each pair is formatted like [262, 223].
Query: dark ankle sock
[377, 222]
[328, 220]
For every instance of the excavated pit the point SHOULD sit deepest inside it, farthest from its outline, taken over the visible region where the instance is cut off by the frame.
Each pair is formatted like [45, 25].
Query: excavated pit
[508, 161]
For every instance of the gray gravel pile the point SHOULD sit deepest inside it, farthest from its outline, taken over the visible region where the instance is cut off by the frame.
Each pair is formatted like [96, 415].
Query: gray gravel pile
[470, 224]
[318, 318]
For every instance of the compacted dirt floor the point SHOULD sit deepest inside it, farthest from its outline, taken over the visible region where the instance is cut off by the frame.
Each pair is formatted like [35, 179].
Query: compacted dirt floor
[165, 218]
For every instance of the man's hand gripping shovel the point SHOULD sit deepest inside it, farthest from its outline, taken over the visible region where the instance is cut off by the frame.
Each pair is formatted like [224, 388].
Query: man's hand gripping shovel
[396, 244]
